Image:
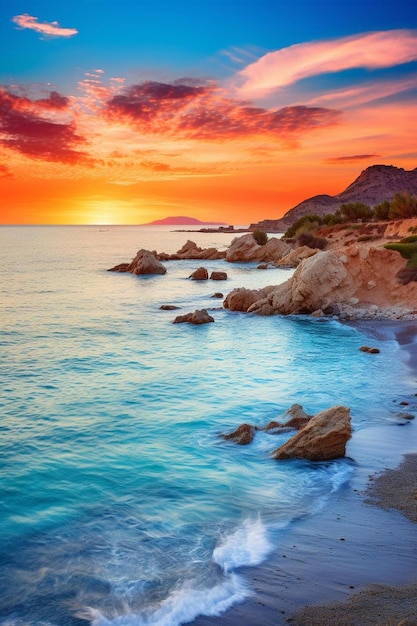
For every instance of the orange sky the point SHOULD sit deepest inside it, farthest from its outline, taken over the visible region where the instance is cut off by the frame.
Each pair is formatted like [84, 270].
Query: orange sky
[239, 150]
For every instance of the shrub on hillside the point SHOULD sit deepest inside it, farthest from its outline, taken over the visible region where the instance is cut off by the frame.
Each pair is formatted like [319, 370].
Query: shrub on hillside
[308, 239]
[381, 211]
[260, 237]
[356, 211]
[306, 223]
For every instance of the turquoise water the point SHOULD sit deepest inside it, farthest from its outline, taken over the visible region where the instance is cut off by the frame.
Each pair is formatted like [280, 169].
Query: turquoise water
[120, 502]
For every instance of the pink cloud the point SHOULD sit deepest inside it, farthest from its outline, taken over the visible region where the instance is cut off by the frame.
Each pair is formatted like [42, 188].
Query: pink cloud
[289, 65]
[22, 129]
[52, 29]
[205, 112]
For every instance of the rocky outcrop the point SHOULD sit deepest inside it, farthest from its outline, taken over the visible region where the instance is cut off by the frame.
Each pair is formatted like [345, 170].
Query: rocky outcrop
[323, 438]
[355, 282]
[190, 250]
[245, 249]
[198, 317]
[144, 262]
[200, 274]
[242, 435]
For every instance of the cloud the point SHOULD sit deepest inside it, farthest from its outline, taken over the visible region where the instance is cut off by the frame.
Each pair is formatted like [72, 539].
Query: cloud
[286, 66]
[5, 172]
[354, 157]
[206, 112]
[52, 29]
[34, 135]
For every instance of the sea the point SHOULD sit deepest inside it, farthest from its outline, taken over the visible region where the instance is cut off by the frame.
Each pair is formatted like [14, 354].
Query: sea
[121, 504]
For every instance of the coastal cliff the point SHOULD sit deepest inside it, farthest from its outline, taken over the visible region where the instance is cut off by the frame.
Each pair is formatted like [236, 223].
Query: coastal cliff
[353, 279]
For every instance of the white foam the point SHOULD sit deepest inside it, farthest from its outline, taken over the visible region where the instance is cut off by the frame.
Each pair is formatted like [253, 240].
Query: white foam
[248, 545]
[181, 607]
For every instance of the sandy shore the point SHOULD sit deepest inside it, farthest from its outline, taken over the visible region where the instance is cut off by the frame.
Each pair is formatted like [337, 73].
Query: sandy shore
[355, 562]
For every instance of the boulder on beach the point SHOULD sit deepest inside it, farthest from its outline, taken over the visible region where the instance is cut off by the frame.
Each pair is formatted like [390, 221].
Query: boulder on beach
[144, 262]
[200, 274]
[245, 249]
[198, 317]
[323, 438]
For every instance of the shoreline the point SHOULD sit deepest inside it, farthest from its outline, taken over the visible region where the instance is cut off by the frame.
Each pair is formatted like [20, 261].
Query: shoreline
[354, 561]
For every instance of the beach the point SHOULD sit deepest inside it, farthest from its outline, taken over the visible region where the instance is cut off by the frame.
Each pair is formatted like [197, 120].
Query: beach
[352, 564]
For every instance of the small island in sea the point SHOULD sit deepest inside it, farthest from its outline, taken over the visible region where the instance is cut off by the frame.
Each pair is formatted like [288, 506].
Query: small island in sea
[182, 220]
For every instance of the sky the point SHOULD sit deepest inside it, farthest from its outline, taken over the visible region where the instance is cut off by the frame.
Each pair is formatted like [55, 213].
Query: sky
[224, 110]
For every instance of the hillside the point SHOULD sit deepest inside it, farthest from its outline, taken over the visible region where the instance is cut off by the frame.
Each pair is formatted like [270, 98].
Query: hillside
[182, 220]
[374, 185]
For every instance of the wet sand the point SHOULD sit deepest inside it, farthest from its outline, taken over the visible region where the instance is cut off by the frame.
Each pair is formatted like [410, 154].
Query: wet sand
[355, 562]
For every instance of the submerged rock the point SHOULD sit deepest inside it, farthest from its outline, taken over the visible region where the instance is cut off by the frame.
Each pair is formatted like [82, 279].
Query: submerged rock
[200, 274]
[243, 434]
[369, 350]
[198, 317]
[218, 276]
[297, 418]
[323, 438]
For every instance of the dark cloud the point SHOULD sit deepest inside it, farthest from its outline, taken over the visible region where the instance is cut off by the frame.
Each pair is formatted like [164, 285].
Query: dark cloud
[206, 112]
[354, 157]
[24, 130]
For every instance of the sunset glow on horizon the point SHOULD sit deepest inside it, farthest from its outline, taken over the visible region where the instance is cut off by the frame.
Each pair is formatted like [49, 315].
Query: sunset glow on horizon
[233, 114]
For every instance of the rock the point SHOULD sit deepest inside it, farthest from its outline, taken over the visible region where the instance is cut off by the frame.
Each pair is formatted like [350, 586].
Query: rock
[295, 418]
[198, 317]
[122, 267]
[217, 295]
[294, 258]
[200, 274]
[190, 250]
[241, 299]
[263, 266]
[243, 434]
[369, 350]
[218, 276]
[245, 249]
[168, 307]
[145, 262]
[323, 438]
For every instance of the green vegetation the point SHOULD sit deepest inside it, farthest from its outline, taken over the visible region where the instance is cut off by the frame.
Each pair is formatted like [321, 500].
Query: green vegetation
[356, 211]
[402, 206]
[260, 237]
[381, 211]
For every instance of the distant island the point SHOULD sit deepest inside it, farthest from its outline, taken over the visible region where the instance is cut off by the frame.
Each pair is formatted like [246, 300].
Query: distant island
[182, 220]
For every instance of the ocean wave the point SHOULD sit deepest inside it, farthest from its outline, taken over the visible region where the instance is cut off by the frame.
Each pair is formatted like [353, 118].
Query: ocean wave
[248, 545]
[181, 607]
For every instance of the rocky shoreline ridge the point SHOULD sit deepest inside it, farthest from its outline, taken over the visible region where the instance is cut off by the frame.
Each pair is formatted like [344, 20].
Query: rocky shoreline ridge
[354, 278]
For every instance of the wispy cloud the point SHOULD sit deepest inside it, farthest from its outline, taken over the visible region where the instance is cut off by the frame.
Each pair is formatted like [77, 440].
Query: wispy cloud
[51, 29]
[206, 112]
[286, 66]
[351, 158]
